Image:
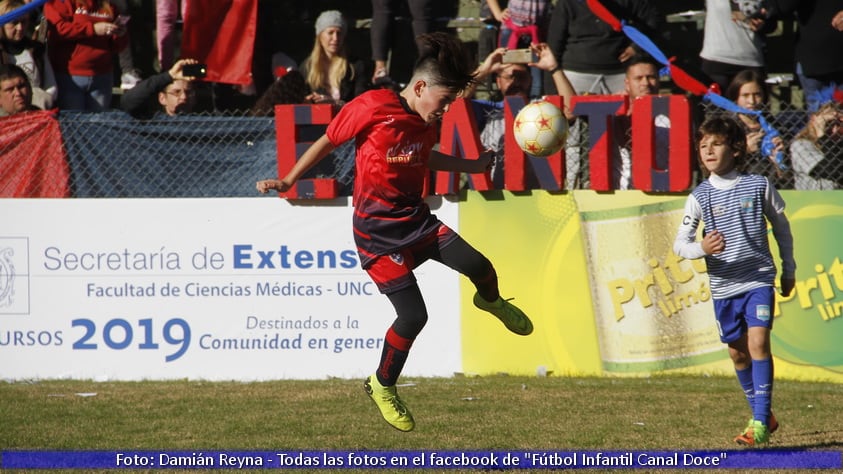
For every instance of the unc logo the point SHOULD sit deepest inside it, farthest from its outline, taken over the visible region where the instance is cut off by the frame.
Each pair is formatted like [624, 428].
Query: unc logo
[762, 312]
[397, 258]
[7, 277]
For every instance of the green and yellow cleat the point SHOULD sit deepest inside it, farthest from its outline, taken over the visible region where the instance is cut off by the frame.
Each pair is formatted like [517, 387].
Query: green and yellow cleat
[513, 318]
[755, 433]
[390, 404]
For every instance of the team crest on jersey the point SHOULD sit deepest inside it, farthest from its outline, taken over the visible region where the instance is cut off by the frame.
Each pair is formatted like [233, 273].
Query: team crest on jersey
[746, 204]
[397, 258]
[718, 210]
[762, 312]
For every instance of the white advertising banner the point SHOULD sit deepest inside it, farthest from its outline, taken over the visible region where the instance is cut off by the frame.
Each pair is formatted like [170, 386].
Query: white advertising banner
[212, 289]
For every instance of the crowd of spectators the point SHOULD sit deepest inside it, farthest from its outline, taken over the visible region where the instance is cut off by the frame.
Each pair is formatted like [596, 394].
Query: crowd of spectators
[69, 50]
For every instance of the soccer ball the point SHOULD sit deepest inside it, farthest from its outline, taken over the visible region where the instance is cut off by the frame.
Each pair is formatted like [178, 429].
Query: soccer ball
[540, 129]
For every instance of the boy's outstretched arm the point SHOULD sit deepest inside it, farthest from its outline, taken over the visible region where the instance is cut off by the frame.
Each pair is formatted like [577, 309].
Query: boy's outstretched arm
[442, 162]
[314, 154]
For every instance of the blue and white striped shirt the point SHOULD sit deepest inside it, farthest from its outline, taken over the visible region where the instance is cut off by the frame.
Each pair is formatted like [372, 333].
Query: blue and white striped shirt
[738, 206]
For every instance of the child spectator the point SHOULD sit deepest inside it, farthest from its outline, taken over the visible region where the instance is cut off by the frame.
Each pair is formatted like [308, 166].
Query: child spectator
[748, 90]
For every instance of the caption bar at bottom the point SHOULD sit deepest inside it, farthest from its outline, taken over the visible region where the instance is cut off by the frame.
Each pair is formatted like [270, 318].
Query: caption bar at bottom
[766, 458]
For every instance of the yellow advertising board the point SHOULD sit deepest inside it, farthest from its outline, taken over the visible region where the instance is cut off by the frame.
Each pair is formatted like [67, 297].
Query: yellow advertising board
[597, 274]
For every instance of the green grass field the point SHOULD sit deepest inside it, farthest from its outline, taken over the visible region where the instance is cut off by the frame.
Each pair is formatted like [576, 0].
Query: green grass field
[460, 413]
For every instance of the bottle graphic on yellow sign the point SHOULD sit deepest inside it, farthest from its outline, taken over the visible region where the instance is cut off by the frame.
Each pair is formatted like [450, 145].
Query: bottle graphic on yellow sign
[653, 310]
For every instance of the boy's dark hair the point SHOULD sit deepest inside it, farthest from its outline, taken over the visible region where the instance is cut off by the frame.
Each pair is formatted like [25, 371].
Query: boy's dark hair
[732, 133]
[11, 71]
[445, 59]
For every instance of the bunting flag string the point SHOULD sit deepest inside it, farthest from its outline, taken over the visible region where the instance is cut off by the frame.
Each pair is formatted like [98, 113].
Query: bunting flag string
[687, 82]
[20, 11]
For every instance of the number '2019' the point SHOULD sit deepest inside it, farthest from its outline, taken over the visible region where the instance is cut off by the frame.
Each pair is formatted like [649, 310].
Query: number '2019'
[118, 334]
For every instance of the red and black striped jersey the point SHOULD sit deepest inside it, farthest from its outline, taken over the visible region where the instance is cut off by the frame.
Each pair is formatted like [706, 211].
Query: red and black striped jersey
[393, 146]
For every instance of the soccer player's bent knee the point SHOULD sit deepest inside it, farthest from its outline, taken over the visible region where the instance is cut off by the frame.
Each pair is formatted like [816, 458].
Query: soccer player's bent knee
[411, 321]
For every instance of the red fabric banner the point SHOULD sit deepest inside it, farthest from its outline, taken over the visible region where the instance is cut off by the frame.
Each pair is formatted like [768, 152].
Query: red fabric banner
[32, 157]
[221, 34]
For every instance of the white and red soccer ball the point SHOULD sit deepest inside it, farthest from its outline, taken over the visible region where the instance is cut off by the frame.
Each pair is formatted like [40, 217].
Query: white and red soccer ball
[540, 129]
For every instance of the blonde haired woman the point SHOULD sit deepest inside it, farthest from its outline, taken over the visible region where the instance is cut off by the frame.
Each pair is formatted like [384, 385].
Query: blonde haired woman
[331, 75]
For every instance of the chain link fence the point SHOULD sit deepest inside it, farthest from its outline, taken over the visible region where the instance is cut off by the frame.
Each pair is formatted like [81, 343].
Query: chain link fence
[111, 154]
[812, 157]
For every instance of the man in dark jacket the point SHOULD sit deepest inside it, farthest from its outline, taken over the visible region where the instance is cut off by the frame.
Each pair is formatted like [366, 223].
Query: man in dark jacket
[172, 89]
[591, 53]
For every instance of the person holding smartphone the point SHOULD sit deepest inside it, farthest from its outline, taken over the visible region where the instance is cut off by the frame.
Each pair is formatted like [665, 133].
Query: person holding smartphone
[173, 90]
[815, 150]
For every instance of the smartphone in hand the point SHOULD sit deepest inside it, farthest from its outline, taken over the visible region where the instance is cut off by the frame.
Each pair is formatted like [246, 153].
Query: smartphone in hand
[195, 70]
[517, 56]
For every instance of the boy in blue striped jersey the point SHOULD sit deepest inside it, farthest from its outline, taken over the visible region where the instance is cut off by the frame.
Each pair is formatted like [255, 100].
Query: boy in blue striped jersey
[734, 208]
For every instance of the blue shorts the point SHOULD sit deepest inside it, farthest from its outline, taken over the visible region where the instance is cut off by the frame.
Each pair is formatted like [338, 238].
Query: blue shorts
[751, 309]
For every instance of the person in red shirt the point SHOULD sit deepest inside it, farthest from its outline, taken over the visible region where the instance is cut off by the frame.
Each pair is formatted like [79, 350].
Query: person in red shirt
[394, 229]
[82, 38]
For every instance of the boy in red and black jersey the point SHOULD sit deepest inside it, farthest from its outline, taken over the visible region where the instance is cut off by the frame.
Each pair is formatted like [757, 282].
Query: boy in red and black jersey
[393, 227]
